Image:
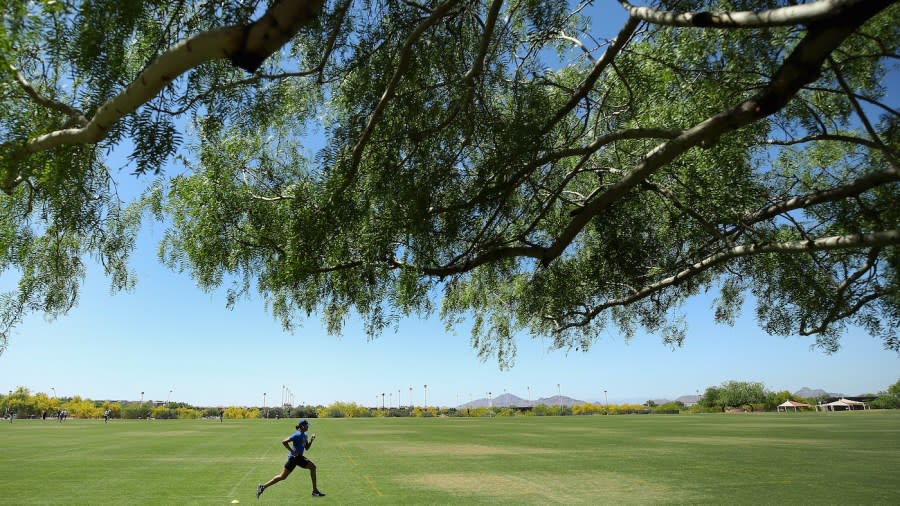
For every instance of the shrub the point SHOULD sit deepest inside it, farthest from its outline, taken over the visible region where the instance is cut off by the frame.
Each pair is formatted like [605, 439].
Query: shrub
[235, 413]
[188, 413]
[889, 399]
[343, 410]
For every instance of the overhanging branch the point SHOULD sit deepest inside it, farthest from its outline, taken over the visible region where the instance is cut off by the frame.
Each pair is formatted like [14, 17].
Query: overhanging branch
[74, 114]
[783, 16]
[245, 46]
[391, 89]
[852, 241]
[852, 188]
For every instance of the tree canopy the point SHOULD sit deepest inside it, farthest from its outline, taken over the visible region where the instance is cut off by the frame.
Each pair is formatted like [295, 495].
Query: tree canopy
[514, 161]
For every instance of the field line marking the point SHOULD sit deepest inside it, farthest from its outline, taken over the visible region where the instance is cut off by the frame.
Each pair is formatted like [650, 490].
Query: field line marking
[367, 478]
[372, 484]
[244, 477]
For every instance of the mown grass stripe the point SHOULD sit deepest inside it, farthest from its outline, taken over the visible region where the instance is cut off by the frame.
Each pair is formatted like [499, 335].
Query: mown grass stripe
[712, 459]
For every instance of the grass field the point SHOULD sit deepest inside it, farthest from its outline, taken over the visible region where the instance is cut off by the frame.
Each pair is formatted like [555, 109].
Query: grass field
[834, 458]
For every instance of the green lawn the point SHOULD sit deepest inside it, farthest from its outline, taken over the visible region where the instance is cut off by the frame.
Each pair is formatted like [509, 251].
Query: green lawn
[848, 458]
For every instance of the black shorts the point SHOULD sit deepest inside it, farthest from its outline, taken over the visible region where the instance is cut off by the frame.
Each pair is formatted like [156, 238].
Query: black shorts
[293, 462]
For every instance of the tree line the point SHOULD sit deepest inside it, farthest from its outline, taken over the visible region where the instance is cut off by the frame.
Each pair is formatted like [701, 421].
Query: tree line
[751, 396]
[26, 404]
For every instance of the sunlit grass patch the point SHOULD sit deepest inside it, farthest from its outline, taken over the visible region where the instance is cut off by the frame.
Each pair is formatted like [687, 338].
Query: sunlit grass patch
[677, 459]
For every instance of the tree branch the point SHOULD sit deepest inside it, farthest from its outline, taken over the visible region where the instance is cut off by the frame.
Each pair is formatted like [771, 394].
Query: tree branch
[318, 69]
[274, 29]
[244, 46]
[782, 16]
[391, 89]
[826, 137]
[477, 65]
[860, 112]
[76, 115]
[800, 68]
[596, 144]
[851, 241]
[860, 185]
[608, 56]
[834, 316]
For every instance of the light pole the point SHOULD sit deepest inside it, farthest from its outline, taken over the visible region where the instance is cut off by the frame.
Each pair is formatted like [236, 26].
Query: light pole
[607, 402]
[559, 398]
[426, 396]
[264, 406]
[382, 400]
[410, 398]
[168, 397]
[54, 392]
[529, 395]
[391, 399]
[398, 398]
[490, 402]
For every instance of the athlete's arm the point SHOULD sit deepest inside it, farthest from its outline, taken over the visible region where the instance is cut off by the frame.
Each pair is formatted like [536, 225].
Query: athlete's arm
[287, 444]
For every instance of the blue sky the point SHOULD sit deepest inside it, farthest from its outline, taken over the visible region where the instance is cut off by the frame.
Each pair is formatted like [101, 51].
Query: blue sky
[168, 335]
[168, 339]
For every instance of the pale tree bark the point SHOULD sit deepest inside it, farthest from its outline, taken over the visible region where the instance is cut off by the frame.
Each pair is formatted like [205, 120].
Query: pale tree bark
[245, 46]
[783, 16]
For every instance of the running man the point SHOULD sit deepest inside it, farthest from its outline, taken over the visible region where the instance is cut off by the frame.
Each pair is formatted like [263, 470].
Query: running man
[295, 458]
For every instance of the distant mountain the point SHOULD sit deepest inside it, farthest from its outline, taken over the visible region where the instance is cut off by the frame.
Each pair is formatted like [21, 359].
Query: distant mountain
[510, 400]
[558, 400]
[810, 393]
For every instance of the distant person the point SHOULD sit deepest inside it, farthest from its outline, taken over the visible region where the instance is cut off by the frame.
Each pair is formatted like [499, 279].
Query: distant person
[221, 415]
[106, 416]
[295, 458]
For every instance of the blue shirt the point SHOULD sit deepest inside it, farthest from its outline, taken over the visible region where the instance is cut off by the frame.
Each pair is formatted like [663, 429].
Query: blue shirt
[299, 441]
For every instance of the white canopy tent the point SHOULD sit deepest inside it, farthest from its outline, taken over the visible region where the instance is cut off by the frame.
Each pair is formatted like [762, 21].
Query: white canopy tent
[789, 404]
[842, 404]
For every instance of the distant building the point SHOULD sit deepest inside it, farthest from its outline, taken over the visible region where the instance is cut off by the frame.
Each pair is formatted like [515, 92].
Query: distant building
[688, 400]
